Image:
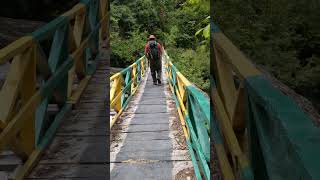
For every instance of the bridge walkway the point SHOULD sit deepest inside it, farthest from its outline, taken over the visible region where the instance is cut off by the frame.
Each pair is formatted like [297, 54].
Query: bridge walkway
[149, 145]
[79, 149]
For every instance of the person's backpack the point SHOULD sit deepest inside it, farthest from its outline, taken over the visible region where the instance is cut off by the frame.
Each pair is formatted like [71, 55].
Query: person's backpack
[153, 50]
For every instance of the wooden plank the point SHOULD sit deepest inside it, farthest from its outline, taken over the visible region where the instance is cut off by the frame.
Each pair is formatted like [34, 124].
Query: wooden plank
[23, 123]
[80, 150]
[71, 76]
[78, 29]
[42, 63]
[35, 155]
[82, 85]
[78, 57]
[115, 102]
[93, 14]
[72, 171]
[137, 148]
[103, 8]
[238, 117]
[234, 56]
[65, 139]
[28, 83]
[225, 84]
[9, 91]
[56, 77]
[25, 142]
[19, 120]
[50, 28]
[225, 167]
[15, 48]
[28, 165]
[75, 11]
[181, 87]
[61, 93]
[199, 144]
[238, 158]
[58, 49]
[104, 27]
[72, 45]
[40, 120]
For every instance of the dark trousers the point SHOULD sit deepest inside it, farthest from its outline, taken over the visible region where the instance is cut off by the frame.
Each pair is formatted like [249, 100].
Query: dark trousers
[155, 71]
[156, 74]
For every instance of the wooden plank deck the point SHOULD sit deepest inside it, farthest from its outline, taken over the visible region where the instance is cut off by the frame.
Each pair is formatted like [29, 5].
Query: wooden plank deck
[12, 29]
[147, 142]
[79, 149]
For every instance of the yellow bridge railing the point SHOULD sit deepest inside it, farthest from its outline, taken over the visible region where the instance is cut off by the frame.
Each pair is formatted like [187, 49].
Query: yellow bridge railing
[48, 71]
[193, 107]
[260, 133]
[124, 85]
[228, 101]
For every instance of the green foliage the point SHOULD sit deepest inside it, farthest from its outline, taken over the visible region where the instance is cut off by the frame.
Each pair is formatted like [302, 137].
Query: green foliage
[126, 51]
[205, 32]
[194, 64]
[122, 20]
[203, 4]
[283, 36]
[174, 23]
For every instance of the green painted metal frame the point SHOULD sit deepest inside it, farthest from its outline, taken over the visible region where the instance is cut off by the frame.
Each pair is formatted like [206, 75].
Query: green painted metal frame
[126, 75]
[126, 86]
[283, 141]
[52, 68]
[59, 63]
[197, 117]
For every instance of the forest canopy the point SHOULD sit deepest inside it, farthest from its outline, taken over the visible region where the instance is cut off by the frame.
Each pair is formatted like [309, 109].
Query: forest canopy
[174, 23]
[281, 36]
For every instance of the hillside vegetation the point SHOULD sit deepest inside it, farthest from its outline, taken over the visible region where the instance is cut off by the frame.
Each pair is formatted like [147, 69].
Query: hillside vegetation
[282, 36]
[174, 23]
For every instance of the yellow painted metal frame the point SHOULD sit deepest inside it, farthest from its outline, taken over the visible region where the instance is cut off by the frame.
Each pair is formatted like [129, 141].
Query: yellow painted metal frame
[259, 122]
[17, 115]
[179, 86]
[228, 62]
[181, 96]
[118, 84]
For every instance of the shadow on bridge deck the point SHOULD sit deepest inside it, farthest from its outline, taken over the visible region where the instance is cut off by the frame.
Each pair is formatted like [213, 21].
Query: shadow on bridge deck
[148, 147]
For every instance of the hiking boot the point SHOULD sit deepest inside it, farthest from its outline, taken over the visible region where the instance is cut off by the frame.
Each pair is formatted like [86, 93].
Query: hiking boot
[159, 81]
[154, 82]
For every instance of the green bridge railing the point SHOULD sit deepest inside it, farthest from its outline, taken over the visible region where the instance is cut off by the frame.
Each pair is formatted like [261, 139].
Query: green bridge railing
[193, 107]
[48, 71]
[265, 135]
[123, 86]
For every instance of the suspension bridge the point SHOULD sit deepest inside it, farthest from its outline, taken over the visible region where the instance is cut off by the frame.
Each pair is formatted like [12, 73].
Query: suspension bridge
[255, 131]
[163, 132]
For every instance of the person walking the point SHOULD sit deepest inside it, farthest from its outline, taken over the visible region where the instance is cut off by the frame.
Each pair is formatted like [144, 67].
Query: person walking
[153, 52]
